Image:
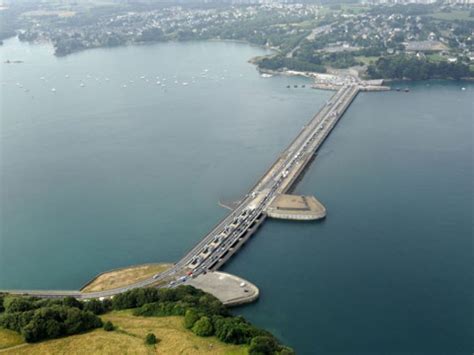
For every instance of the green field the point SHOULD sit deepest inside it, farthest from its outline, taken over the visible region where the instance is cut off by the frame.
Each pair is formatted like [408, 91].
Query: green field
[354, 8]
[128, 338]
[366, 60]
[453, 15]
[435, 57]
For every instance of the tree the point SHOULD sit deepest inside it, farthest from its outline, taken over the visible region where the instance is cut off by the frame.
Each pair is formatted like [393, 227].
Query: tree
[108, 326]
[151, 339]
[232, 330]
[19, 304]
[284, 350]
[72, 302]
[78, 321]
[203, 327]
[190, 318]
[263, 345]
[97, 307]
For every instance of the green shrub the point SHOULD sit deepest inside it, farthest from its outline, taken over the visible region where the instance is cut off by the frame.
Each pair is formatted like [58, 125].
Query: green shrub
[151, 339]
[190, 318]
[284, 350]
[20, 304]
[72, 302]
[48, 322]
[108, 326]
[263, 345]
[16, 321]
[97, 307]
[142, 296]
[203, 327]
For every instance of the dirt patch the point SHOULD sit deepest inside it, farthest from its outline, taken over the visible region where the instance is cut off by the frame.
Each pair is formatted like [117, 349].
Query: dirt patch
[123, 277]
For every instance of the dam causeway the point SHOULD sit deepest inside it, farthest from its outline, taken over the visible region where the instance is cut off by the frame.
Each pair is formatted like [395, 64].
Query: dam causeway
[268, 198]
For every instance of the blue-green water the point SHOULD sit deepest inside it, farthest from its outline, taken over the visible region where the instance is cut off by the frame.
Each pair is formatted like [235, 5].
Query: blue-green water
[102, 176]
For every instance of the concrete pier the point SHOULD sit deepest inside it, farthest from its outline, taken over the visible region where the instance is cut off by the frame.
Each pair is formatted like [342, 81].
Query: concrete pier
[294, 207]
[231, 290]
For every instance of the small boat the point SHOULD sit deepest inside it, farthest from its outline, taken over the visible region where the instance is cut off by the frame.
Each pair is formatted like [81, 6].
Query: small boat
[53, 90]
[303, 86]
[398, 89]
[288, 86]
[124, 86]
[463, 89]
[265, 75]
[184, 84]
[81, 85]
[407, 90]
[295, 86]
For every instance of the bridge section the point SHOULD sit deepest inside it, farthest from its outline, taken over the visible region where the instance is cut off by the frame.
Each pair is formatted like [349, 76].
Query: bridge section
[228, 236]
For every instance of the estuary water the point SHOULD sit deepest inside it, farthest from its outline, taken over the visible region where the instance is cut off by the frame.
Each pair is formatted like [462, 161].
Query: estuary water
[114, 157]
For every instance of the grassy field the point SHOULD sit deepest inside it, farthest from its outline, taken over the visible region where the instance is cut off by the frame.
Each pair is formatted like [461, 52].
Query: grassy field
[453, 15]
[129, 337]
[435, 57]
[354, 8]
[123, 277]
[308, 24]
[9, 338]
[366, 60]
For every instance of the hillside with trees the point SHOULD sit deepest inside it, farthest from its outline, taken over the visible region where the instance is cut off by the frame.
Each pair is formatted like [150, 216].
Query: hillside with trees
[202, 314]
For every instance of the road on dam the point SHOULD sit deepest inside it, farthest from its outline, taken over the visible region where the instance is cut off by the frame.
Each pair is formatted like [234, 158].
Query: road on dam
[233, 231]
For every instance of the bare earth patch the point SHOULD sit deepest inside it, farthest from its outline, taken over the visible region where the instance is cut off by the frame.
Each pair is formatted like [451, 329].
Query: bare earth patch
[123, 277]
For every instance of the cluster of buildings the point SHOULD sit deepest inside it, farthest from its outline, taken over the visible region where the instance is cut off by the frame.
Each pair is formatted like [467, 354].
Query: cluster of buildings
[398, 32]
[349, 31]
[72, 33]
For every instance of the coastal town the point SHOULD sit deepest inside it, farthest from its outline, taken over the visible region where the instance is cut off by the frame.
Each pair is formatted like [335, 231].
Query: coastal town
[372, 41]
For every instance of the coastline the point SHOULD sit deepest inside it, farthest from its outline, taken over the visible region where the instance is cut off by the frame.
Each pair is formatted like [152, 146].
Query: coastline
[253, 60]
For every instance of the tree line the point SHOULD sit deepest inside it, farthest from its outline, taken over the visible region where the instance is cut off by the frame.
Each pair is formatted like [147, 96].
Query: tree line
[410, 67]
[41, 319]
[203, 314]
